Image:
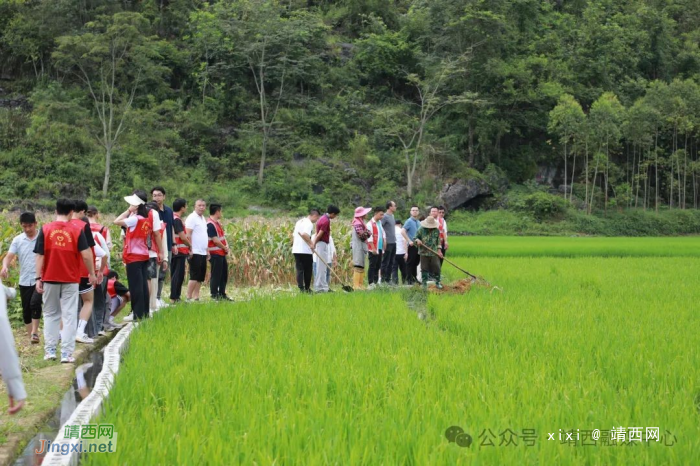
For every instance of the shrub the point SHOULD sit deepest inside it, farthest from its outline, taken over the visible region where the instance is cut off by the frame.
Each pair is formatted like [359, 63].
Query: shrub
[541, 206]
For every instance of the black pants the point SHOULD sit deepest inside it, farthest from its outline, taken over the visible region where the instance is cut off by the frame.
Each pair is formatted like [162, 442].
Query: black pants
[31, 303]
[99, 310]
[304, 264]
[137, 274]
[219, 276]
[375, 264]
[444, 253]
[388, 259]
[399, 265]
[162, 273]
[412, 265]
[177, 276]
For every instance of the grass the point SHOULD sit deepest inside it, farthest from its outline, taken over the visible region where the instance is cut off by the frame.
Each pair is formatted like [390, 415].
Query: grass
[572, 343]
[533, 246]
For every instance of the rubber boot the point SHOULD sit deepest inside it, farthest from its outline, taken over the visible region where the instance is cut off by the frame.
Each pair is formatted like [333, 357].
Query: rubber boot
[425, 276]
[438, 283]
[358, 278]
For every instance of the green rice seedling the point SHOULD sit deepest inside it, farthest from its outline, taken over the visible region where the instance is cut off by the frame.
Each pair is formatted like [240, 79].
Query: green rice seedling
[572, 344]
[533, 246]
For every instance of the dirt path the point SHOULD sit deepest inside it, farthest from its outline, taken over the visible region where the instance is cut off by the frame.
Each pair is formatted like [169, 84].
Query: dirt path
[46, 382]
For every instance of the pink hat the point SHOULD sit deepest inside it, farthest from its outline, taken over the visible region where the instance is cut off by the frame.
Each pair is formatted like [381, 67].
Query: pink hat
[362, 211]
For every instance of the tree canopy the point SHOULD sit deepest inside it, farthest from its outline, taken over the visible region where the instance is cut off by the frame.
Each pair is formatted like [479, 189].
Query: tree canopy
[300, 103]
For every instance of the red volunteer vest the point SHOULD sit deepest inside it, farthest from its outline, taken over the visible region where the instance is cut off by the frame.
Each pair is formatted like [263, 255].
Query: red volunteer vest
[62, 260]
[104, 268]
[97, 228]
[84, 273]
[110, 287]
[213, 248]
[441, 229]
[375, 237]
[136, 241]
[155, 246]
[182, 248]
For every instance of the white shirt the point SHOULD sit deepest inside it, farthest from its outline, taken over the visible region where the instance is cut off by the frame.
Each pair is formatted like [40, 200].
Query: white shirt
[158, 225]
[102, 242]
[299, 246]
[23, 248]
[400, 241]
[200, 239]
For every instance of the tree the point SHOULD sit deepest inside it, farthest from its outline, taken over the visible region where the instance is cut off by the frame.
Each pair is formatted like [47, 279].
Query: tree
[279, 49]
[113, 58]
[607, 116]
[567, 121]
[408, 120]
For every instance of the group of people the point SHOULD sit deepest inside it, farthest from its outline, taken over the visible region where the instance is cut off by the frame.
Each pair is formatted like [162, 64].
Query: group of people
[383, 245]
[65, 265]
[65, 274]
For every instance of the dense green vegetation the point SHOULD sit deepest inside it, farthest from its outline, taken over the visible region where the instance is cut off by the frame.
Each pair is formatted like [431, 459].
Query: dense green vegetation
[632, 222]
[300, 103]
[571, 343]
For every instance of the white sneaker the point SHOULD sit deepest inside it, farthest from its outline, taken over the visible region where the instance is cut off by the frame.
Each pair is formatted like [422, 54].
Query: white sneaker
[10, 293]
[102, 333]
[129, 318]
[67, 359]
[50, 355]
[114, 325]
[84, 339]
[162, 304]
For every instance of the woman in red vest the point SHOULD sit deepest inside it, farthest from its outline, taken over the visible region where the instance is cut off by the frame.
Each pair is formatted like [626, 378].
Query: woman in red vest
[139, 231]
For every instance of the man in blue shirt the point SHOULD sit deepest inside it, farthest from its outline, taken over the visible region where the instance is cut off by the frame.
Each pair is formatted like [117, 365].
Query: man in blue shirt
[409, 230]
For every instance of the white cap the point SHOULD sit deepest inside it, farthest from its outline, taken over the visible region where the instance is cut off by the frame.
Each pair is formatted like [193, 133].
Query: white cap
[134, 200]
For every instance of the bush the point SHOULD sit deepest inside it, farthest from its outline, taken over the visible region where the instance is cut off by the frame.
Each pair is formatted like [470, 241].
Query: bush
[541, 206]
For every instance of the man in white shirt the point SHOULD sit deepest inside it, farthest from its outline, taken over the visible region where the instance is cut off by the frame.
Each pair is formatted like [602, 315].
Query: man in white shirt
[196, 228]
[22, 247]
[303, 256]
[399, 263]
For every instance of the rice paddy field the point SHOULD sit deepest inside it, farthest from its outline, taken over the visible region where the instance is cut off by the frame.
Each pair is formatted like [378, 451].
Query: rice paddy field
[586, 335]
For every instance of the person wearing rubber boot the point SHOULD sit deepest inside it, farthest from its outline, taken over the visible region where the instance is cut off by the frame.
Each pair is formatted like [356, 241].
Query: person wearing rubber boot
[360, 234]
[429, 235]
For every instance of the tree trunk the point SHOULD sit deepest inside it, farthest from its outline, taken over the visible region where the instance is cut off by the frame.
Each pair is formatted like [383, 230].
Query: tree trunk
[108, 162]
[263, 155]
[586, 171]
[595, 174]
[573, 173]
[656, 171]
[409, 176]
[565, 170]
[471, 144]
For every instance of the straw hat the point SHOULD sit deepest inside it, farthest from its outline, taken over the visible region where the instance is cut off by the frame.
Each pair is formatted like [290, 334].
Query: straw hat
[362, 211]
[429, 222]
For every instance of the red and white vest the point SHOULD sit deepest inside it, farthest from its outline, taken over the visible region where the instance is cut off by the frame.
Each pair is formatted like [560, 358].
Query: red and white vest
[111, 290]
[441, 229]
[97, 228]
[79, 224]
[213, 248]
[136, 241]
[182, 248]
[105, 268]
